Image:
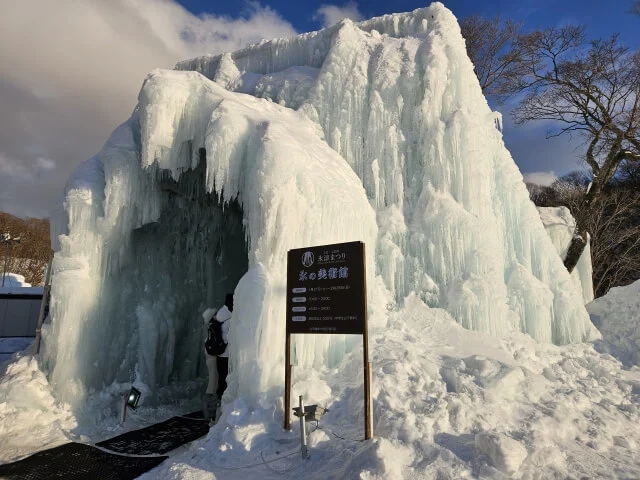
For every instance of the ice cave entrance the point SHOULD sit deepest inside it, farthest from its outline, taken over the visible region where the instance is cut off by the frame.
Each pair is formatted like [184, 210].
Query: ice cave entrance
[186, 261]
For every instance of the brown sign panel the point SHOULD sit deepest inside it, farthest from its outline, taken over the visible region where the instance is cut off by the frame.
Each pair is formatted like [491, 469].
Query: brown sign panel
[326, 289]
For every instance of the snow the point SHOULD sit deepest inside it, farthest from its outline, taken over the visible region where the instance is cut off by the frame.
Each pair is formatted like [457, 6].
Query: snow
[378, 132]
[31, 419]
[560, 226]
[14, 280]
[617, 316]
[503, 452]
[448, 403]
[14, 283]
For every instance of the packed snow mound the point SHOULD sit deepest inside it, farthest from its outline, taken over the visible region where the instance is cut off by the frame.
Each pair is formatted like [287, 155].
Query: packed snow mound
[15, 284]
[560, 226]
[448, 403]
[14, 280]
[376, 131]
[617, 316]
[31, 418]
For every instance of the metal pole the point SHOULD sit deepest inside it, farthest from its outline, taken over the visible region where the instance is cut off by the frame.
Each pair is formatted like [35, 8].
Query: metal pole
[43, 304]
[287, 383]
[368, 432]
[124, 408]
[6, 255]
[368, 419]
[303, 431]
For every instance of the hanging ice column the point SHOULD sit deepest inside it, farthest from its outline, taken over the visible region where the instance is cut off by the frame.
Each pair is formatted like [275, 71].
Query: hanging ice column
[396, 96]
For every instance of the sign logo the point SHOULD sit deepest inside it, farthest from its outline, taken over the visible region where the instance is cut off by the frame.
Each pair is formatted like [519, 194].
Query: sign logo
[307, 259]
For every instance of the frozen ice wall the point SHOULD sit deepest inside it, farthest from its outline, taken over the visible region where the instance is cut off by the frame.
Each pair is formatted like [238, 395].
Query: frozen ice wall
[560, 226]
[397, 98]
[376, 131]
[198, 189]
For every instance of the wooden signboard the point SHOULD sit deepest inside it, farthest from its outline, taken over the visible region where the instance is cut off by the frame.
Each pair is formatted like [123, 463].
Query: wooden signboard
[326, 289]
[327, 294]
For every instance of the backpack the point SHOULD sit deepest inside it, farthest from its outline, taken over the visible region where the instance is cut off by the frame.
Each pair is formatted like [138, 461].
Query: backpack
[214, 344]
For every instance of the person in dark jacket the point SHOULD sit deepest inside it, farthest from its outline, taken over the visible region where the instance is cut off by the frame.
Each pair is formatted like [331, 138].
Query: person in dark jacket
[224, 316]
[217, 365]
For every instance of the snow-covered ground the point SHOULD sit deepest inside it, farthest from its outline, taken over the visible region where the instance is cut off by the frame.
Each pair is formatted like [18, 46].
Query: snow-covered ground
[448, 403]
[617, 316]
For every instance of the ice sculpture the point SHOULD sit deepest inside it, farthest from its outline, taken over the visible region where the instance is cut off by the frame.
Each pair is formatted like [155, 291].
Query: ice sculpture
[376, 131]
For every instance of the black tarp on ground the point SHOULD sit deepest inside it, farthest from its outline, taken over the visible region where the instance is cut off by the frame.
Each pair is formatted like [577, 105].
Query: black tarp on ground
[159, 438]
[76, 461]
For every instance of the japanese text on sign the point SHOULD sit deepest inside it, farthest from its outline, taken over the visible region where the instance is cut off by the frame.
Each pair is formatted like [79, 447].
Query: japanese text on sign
[326, 289]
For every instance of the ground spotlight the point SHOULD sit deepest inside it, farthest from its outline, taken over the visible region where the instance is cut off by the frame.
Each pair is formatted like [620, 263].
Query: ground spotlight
[133, 398]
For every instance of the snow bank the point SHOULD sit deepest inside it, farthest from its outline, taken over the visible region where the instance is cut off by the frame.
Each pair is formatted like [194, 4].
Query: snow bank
[447, 403]
[560, 226]
[617, 316]
[15, 284]
[376, 131]
[31, 418]
[14, 280]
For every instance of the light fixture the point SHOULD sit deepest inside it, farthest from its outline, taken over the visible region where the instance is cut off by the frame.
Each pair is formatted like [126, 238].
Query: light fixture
[133, 398]
[7, 239]
[307, 413]
[312, 413]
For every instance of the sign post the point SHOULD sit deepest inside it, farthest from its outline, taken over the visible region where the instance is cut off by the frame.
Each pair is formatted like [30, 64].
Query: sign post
[326, 294]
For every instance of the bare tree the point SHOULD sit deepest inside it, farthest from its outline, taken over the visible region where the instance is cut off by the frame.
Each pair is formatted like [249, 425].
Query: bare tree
[615, 241]
[589, 89]
[613, 223]
[629, 175]
[29, 257]
[636, 7]
[496, 55]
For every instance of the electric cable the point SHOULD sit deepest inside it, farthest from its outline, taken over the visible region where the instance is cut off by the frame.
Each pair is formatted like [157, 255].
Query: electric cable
[341, 437]
[271, 469]
[264, 462]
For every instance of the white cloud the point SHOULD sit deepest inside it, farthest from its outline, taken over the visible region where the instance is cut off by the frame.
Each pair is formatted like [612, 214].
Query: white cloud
[10, 167]
[541, 178]
[331, 14]
[71, 72]
[45, 163]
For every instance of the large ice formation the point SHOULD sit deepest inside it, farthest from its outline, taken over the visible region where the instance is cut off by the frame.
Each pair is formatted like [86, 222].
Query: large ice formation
[376, 131]
[560, 226]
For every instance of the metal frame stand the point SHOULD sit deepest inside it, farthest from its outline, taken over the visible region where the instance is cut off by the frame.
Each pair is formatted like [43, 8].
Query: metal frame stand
[303, 431]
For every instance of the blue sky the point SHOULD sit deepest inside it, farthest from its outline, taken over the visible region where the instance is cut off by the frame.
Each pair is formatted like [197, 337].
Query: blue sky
[601, 17]
[72, 70]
